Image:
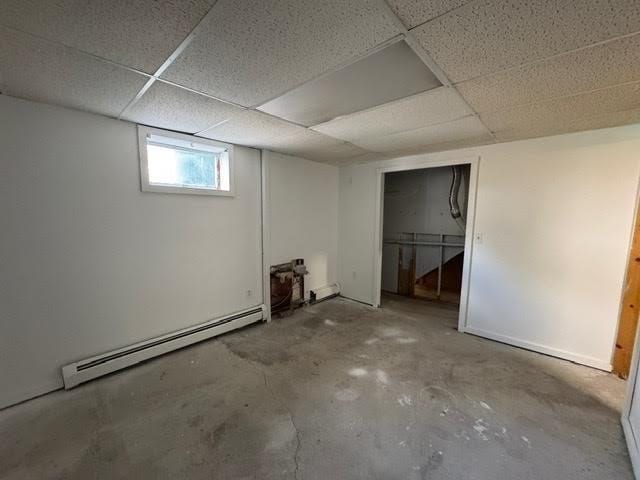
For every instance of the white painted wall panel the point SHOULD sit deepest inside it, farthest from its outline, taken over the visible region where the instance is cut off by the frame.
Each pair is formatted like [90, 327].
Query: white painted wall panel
[303, 206]
[89, 263]
[555, 215]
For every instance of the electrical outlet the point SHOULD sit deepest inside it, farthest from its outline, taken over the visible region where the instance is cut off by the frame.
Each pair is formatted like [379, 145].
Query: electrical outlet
[478, 237]
[249, 293]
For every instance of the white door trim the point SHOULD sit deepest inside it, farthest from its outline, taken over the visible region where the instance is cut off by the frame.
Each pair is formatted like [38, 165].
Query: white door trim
[474, 163]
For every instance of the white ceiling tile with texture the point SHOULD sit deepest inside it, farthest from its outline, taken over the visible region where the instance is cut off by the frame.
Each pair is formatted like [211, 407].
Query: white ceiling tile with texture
[249, 52]
[315, 146]
[465, 129]
[166, 106]
[436, 106]
[253, 129]
[565, 114]
[417, 12]
[592, 68]
[488, 36]
[39, 70]
[139, 34]
[389, 74]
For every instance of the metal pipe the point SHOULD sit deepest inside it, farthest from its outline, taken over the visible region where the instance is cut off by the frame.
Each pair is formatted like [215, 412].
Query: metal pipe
[453, 197]
[423, 244]
[440, 266]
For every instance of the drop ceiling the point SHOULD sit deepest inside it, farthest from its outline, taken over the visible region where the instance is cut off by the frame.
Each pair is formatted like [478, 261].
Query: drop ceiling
[285, 74]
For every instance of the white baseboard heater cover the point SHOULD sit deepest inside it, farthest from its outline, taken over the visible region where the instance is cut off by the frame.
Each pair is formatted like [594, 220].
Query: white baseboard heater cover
[90, 368]
[323, 293]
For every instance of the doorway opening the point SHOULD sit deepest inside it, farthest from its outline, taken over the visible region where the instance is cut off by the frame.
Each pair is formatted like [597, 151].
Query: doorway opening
[424, 231]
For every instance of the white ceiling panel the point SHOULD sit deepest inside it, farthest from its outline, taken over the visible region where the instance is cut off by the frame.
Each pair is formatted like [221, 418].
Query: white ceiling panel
[436, 106]
[38, 70]
[253, 129]
[314, 146]
[559, 126]
[166, 106]
[563, 115]
[390, 74]
[469, 130]
[604, 65]
[417, 12]
[249, 52]
[488, 36]
[140, 34]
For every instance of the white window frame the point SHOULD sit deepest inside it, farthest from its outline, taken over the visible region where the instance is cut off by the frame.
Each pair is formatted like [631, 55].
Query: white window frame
[143, 131]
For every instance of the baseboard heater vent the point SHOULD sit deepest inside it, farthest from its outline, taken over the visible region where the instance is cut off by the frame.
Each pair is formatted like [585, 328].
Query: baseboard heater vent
[323, 293]
[90, 368]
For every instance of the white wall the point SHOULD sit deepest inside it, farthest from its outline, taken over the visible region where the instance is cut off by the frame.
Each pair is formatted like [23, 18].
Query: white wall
[555, 216]
[303, 213]
[89, 263]
[418, 201]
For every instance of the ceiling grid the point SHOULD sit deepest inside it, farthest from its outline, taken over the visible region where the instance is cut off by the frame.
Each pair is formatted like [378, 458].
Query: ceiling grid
[553, 70]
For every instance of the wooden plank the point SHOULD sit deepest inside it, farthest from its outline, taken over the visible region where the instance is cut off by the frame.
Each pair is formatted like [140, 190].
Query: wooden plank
[628, 322]
[412, 269]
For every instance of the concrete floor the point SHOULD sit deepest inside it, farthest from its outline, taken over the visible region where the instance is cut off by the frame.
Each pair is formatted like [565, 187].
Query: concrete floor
[337, 391]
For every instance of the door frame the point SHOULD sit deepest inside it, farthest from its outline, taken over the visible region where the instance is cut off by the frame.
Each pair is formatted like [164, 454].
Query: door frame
[633, 443]
[405, 165]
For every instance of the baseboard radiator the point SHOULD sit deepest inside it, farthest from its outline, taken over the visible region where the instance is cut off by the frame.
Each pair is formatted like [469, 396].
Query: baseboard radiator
[323, 293]
[90, 368]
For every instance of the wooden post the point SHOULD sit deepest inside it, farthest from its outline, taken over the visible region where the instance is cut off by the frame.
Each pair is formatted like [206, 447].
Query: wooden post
[628, 322]
[412, 269]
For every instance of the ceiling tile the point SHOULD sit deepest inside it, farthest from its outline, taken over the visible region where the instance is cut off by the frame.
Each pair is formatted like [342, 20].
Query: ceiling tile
[249, 52]
[489, 36]
[389, 74]
[468, 129]
[140, 34]
[554, 127]
[253, 129]
[38, 70]
[166, 106]
[417, 12]
[315, 146]
[565, 114]
[589, 69]
[436, 106]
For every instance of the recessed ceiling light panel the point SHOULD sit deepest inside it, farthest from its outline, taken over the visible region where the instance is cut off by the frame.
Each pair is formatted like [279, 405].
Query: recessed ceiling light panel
[391, 73]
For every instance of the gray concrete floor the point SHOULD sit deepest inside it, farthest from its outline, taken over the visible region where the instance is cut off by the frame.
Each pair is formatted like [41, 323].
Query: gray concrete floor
[337, 391]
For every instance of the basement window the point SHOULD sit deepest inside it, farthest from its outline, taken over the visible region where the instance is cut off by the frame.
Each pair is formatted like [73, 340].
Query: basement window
[176, 163]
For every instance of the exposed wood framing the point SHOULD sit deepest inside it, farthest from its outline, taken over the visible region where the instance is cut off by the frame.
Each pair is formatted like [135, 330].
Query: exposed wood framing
[628, 322]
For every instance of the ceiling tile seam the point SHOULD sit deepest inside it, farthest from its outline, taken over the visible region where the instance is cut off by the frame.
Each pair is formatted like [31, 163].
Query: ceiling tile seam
[275, 117]
[222, 122]
[411, 130]
[415, 45]
[170, 59]
[351, 144]
[425, 56]
[185, 42]
[545, 59]
[260, 112]
[350, 116]
[595, 116]
[560, 97]
[202, 94]
[390, 41]
[81, 52]
[443, 14]
[588, 118]
[436, 124]
[427, 149]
